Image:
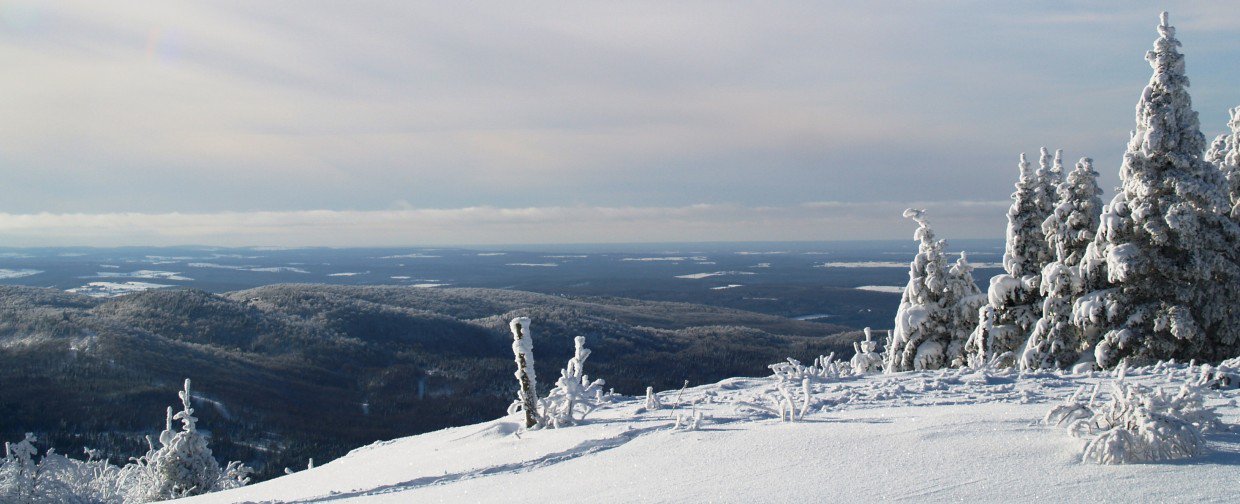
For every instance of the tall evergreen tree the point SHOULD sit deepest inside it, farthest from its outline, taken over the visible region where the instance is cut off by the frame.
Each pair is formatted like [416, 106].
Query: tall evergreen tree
[1165, 249]
[1055, 341]
[1013, 295]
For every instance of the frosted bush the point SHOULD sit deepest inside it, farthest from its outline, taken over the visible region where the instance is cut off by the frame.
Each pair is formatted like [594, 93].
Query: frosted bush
[1138, 424]
[574, 395]
[824, 368]
[866, 360]
[652, 400]
[181, 466]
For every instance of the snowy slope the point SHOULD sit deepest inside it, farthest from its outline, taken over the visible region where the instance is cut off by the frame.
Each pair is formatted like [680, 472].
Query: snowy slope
[943, 436]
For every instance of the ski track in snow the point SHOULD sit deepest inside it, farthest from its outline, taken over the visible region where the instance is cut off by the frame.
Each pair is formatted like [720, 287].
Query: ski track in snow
[587, 447]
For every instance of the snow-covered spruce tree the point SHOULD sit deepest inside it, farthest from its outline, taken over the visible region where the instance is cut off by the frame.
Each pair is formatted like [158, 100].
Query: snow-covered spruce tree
[19, 471]
[1165, 251]
[574, 393]
[1224, 154]
[925, 323]
[523, 352]
[1055, 341]
[1074, 222]
[1049, 176]
[183, 465]
[1014, 295]
[963, 299]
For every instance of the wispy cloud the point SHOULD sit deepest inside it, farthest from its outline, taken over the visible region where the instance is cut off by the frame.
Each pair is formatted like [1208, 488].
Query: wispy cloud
[491, 225]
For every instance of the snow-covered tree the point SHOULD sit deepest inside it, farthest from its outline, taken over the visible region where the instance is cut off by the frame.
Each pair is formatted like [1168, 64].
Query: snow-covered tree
[184, 465]
[19, 471]
[924, 320]
[1049, 176]
[1014, 295]
[1055, 340]
[523, 352]
[574, 395]
[866, 360]
[1224, 154]
[1074, 222]
[963, 299]
[1165, 252]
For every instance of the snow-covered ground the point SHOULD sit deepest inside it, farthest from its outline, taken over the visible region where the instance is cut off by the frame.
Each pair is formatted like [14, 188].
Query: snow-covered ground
[6, 273]
[949, 436]
[113, 289]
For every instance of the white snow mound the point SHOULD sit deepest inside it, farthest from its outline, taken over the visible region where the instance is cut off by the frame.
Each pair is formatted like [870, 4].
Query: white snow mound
[942, 436]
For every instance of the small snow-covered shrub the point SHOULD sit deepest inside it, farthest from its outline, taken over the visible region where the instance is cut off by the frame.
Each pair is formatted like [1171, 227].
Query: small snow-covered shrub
[824, 368]
[181, 466]
[866, 360]
[652, 400]
[574, 395]
[1138, 424]
[1223, 376]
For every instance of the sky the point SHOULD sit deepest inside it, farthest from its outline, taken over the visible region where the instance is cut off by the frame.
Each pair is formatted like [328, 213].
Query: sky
[402, 123]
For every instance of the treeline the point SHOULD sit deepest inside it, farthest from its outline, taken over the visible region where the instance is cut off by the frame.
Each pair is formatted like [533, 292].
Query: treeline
[1153, 275]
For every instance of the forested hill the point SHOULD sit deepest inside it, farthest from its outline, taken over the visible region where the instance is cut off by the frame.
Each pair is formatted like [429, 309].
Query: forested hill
[287, 372]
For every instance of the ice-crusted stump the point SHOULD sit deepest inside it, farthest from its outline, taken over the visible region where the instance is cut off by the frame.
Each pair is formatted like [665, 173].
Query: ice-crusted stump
[1138, 424]
[523, 352]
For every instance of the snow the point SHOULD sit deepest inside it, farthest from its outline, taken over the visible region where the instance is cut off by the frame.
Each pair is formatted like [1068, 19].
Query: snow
[414, 255]
[534, 265]
[943, 436]
[145, 274]
[666, 259]
[729, 286]
[428, 285]
[279, 269]
[6, 273]
[348, 273]
[864, 264]
[882, 288]
[113, 289]
[699, 276]
[269, 269]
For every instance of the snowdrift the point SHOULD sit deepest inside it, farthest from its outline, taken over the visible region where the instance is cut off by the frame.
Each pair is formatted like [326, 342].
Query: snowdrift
[953, 435]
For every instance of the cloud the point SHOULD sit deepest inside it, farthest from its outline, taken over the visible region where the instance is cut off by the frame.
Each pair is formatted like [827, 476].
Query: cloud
[491, 225]
[212, 108]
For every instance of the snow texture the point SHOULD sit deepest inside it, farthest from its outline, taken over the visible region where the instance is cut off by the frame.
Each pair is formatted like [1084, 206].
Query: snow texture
[923, 435]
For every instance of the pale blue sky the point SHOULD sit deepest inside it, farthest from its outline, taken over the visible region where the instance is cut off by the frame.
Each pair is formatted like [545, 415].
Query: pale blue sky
[406, 123]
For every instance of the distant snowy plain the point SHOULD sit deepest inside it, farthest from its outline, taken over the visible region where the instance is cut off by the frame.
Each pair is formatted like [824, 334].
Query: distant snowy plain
[942, 436]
